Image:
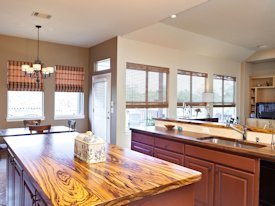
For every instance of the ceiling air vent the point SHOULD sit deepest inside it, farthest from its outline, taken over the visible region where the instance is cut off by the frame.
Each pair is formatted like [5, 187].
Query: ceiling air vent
[41, 15]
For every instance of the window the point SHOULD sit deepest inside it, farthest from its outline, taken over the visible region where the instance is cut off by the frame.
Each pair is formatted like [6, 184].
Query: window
[190, 89]
[25, 105]
[25, 95]
[68, 104]
[102, 65]
[146, 94]
[224, 97]
[69, 88]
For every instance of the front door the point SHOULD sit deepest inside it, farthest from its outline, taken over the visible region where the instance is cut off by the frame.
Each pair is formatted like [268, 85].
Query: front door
[101, 97]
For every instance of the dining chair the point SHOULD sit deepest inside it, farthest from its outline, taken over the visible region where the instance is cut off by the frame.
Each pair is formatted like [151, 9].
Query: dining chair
[31, 122]
[40, 129]
[72, 124]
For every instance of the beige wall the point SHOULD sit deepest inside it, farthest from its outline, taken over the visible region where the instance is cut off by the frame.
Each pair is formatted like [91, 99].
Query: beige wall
[104, 50]
[144, 53]
[13, 48]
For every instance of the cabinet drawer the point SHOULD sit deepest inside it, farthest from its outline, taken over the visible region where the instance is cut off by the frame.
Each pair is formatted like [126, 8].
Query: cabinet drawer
[142, 138]
[243, 163]
[169, 156]
[169, 145]
[142, 148]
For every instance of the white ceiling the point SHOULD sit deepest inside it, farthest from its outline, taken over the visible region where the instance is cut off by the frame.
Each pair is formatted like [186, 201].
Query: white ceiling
[245, 23]
[84, 22]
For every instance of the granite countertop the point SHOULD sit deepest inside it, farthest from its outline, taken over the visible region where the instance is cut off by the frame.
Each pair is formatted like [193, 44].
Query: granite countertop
[266, 152]
[62, 179]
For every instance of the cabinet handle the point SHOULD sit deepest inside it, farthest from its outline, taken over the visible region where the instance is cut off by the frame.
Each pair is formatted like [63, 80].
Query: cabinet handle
[12, 161]
[34, 199]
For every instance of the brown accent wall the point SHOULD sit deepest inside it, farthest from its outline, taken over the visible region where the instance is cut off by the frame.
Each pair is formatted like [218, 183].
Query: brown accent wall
[104, 50]
[13, 48]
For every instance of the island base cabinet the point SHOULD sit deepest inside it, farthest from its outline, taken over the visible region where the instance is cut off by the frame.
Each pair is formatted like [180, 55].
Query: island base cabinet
[204, 189]
[183, 196]
[20, 191]
[14, 176]
[233, 187]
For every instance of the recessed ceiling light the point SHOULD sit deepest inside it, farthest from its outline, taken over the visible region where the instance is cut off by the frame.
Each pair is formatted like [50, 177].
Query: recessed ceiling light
[173, 16]
[262, 46]
[41, 15]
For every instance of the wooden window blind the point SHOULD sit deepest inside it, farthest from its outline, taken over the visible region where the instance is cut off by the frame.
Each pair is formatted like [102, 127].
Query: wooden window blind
[146, 86]
[190, 87]
[69, 79]
[17, 81]
[224, 91]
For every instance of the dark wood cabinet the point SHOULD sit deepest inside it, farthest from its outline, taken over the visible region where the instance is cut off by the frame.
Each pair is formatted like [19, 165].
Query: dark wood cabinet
[142, 148]
[233, 187]
[14, 176]
[20, 191]
[169, 156]
[227, 179]
[28, 193]
[236, 178]
[204, 189]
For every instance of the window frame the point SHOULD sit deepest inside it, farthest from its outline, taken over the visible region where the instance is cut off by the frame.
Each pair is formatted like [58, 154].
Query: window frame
[147, 69]
[102, 60]
[80, 116]
[21, 118]
[222, 103]
[191, 74]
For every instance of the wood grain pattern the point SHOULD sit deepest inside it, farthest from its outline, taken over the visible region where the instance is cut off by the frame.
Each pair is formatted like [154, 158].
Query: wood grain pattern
[266, 153]
[126, 176]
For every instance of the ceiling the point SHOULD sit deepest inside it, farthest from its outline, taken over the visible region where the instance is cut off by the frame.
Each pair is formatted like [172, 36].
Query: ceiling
[84, 22]
[245, 23]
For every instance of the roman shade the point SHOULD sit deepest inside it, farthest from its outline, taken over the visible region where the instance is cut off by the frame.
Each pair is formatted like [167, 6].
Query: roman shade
[224, 91]
[69, 79]
[190, 88]
[18, 81]
[146, 86]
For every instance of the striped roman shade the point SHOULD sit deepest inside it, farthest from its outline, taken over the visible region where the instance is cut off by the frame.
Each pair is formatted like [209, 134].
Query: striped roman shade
[69, 79]
[17, 81]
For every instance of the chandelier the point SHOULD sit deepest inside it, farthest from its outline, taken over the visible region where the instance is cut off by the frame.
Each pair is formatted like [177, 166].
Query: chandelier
[36, 70]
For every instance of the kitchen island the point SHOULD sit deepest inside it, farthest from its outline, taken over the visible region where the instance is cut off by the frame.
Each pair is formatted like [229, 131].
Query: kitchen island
[42, 170]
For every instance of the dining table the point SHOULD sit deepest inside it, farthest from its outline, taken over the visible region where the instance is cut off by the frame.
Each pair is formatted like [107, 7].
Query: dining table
[25, 131]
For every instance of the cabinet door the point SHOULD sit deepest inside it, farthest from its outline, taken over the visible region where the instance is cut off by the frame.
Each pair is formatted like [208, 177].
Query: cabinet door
[233, 187]
[14, 175]
[169, 156]
[204, 189]
[28, 194]
[142, 148]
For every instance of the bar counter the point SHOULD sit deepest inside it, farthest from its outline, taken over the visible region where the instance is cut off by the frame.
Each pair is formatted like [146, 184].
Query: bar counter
[127, 177]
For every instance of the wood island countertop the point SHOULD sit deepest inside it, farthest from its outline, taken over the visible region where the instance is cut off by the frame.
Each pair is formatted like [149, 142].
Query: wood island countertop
[62, 179]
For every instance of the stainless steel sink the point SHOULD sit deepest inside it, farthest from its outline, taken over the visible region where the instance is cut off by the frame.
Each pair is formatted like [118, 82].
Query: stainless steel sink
[232, 142]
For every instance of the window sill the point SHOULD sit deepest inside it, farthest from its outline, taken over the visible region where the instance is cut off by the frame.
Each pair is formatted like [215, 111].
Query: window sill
[19, 119]
[69, 117]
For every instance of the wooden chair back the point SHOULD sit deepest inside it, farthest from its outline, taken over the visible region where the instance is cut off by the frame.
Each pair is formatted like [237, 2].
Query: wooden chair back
[31, 122]
[40, 129]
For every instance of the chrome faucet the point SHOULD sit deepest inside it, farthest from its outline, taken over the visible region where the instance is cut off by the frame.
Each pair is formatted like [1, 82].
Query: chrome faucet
[242, 132]
[270, 126]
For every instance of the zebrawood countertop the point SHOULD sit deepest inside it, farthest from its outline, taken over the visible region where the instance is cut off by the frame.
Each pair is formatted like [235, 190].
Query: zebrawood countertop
[266, 152]
[62, 179]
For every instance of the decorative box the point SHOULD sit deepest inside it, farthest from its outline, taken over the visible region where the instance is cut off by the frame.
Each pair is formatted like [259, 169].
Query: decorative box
[90, 148]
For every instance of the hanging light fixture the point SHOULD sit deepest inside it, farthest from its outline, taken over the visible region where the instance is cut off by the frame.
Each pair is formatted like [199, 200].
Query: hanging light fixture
[36, 70]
